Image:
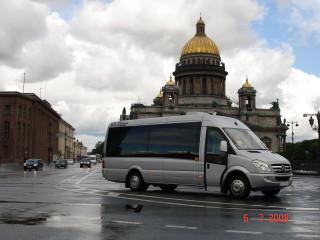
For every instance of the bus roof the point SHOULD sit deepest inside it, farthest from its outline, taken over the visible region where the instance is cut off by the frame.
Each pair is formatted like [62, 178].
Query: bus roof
[221, 121]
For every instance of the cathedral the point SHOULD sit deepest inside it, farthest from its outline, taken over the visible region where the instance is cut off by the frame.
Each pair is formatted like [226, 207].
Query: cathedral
[199, 85]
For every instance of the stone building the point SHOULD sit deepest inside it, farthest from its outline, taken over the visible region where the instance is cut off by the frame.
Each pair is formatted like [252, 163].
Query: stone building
[28, 127]
[200, 85]
[66, 140]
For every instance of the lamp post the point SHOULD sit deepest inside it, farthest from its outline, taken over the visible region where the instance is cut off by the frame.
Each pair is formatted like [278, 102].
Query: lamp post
[316, 128]
[50, 143]
[65, 145]
[292, 123]
[74, 149]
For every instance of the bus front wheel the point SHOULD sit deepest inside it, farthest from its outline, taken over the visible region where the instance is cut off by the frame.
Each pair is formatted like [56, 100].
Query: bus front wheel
[239, 187]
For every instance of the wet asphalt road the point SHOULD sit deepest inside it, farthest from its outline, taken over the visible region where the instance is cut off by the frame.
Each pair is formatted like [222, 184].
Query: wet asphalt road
[76, 203]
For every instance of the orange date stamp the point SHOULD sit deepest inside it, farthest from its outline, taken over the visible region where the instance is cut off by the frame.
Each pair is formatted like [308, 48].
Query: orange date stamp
[270, 217]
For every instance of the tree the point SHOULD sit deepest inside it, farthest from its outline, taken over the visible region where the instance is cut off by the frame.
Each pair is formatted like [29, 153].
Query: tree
[302, 150]
[98, 149]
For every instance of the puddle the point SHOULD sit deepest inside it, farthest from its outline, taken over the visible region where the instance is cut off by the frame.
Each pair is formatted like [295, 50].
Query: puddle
[12, 219]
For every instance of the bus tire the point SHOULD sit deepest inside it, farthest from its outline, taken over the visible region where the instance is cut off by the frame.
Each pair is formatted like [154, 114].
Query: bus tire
[136, 182]
[270, 193]
[238, 187]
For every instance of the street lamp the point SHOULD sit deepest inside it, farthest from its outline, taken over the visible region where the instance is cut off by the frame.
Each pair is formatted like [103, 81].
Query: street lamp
[292, 123]
[65, 145]
[316, 128]
[74, 148]
[50, 143]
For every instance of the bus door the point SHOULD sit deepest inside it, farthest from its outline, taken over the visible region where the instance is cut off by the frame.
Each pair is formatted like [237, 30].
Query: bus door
[215, 161]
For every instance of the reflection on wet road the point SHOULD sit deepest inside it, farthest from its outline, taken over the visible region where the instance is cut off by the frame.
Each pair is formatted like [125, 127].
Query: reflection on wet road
[76, 203]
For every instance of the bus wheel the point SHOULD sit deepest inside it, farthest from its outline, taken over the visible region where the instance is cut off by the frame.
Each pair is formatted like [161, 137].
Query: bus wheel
[136, 182]
[239, 187]
[168, 188]
[270, 193]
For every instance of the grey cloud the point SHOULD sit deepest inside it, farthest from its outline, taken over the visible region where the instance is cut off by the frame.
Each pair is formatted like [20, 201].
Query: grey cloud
[19, 24]
[47, 59]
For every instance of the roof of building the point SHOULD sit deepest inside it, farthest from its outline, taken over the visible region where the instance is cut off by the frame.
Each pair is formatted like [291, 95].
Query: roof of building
[200, 43]
[170, 82]
[247, 84]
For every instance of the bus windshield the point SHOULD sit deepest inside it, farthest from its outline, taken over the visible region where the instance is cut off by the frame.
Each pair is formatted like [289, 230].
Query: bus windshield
[245, 139]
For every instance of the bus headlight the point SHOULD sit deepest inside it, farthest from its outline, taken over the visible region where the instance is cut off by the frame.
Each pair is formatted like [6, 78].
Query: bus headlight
[262, 166]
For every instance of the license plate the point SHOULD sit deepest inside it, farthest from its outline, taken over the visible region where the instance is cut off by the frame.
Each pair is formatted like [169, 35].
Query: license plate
[29, 166]
[284, 184]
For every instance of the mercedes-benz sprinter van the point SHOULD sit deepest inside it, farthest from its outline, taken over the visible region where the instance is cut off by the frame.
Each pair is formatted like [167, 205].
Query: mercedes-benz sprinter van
[197, 149]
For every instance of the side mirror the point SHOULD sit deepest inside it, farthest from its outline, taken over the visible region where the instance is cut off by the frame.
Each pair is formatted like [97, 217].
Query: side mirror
[223, 146]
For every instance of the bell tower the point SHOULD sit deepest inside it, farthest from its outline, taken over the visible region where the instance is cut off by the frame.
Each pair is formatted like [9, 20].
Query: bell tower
[170, 94]
[247, 97]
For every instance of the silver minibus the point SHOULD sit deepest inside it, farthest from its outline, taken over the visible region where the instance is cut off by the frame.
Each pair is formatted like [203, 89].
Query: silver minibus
[197, 149]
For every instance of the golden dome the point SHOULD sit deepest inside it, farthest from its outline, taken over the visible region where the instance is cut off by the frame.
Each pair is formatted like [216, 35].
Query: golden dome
[247, 84]
[170, 82]
[160, 95]
[200, 20]
[200, 43]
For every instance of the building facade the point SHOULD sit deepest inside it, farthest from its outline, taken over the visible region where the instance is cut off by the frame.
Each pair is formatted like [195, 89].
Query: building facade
[66, 140]
[28, 127]
[200, 85]
[80, 149]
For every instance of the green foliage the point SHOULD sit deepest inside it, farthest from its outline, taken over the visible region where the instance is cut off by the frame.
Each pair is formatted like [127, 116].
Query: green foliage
[305, 150]
[98, 149]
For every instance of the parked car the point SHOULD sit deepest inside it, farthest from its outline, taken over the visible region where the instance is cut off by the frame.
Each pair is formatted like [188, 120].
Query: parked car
[93, 159]
[33, 164]
[85, 162]
[61, 163]
[70, 161]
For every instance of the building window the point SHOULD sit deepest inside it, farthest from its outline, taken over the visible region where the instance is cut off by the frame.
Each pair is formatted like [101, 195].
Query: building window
[204, 85]
[5, 151]
[24, 112]
[23, 131]
[29, 113]
[28, 134]
[18, 131]
[191, 86]
[7, 109]
[216, 86]
[19, 110]
[184, 86]
[6, 128]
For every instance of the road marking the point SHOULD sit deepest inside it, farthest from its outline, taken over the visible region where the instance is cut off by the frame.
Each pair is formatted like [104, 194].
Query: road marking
[113, 194]
[126, 222]
[245, 232]
[181, 227]
[308, 236]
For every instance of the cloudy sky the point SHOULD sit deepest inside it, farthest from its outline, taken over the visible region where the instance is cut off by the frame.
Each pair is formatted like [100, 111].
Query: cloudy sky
[91, 58]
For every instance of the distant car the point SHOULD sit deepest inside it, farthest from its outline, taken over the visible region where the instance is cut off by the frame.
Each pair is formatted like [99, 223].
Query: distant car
[61, 163]
[85, 162]
[70, 161]
[93, 159]
[33, 163]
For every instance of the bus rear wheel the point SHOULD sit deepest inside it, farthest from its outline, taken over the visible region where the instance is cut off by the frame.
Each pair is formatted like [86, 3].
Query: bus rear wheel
[136, 182]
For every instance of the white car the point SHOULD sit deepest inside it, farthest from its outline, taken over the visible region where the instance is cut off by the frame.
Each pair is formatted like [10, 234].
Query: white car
[70, 161]
[93, 159]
